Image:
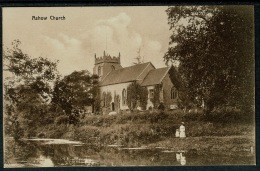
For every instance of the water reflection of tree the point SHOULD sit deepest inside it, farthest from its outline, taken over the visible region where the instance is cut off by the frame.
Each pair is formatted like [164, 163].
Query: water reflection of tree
[69, 154]
[131, 157]
[181, 158]
[30, 153]
[21, 151]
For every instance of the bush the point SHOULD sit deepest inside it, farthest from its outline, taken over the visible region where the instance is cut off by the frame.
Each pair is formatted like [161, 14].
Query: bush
[63, 119]
[134, 129]
[222, 116]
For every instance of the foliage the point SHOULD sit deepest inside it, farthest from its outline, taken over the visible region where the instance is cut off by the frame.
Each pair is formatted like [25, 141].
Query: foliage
[26, 90]
[183, 100]
[63, 119]
[161, 107]
[96, 95]
[74, 92]
[136, 128]
[117, 102]
[107, 99]
[156, 97]
[27, 69]
[136, 94]
[215, 48]
[25, 110]
[139, 59]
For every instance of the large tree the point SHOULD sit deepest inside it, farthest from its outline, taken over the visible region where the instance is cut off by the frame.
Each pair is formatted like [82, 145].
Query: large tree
[74, 92]
[26, 89]
[215, 48]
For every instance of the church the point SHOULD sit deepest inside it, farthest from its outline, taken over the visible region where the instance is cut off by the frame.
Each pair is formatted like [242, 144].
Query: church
[115, 79]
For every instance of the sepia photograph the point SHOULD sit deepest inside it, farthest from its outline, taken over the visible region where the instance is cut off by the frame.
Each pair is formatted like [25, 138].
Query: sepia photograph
[124, 86]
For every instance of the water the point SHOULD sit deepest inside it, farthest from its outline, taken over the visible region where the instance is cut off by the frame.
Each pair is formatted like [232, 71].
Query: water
[64, 153]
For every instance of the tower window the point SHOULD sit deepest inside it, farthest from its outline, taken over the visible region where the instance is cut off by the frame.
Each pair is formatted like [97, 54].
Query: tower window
[174, 93]
[99, 70]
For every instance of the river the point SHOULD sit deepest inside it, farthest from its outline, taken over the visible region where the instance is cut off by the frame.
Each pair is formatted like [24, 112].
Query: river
[63, 153]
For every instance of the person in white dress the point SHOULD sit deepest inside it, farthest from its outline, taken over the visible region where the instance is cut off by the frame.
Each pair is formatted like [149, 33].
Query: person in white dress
[182, 130]
[177, 133]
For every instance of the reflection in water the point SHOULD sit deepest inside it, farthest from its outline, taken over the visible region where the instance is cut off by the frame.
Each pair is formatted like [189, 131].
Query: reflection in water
[44, 162]
[181, 158]
[41, 154]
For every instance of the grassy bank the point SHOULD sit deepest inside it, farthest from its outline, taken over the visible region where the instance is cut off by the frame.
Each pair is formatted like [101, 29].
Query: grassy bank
[158, 129]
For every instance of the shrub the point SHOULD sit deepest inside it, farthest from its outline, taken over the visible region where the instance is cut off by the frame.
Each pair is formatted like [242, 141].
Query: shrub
[63, 119]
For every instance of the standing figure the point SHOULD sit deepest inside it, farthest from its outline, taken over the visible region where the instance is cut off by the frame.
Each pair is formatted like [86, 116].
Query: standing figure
[182, 130]
[177, 133]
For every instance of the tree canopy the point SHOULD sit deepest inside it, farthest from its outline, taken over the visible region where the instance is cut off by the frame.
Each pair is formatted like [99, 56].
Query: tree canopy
[136, 96]
[74, 92]
[27, 90]
[215, 48]
[35, 94]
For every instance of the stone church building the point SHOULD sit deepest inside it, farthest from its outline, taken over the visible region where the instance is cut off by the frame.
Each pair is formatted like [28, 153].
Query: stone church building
[114, 80]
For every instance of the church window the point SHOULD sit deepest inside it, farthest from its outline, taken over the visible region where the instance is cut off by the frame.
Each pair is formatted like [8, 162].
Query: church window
[124, 97]
[113, 67]
[99, 70]
[174, 93]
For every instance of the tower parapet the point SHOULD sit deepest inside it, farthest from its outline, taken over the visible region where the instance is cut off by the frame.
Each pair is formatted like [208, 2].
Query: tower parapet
[107, 59]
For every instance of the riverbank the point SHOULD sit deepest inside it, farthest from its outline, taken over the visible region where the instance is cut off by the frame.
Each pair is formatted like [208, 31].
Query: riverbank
[158, 130]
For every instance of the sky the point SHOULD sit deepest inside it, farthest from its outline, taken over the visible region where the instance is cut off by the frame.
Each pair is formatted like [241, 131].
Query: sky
[87, 31]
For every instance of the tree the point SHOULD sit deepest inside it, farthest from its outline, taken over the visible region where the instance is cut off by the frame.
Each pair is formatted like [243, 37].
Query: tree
[156, 97]
[183, 100]
[139, 58]
[96, 95]
[136, 94]
[108, 99]
[30, 110]
[74, 92]
[215, 48]
[117, 102]
[26, 69]
[26, 89]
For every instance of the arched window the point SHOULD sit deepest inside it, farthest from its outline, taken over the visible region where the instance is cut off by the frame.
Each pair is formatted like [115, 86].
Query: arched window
[174, 93]
[124, 97]
[99, 70]
[113, 67]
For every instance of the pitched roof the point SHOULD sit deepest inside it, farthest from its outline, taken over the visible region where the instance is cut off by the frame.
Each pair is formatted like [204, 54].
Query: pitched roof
[124, 75]
[155, 76]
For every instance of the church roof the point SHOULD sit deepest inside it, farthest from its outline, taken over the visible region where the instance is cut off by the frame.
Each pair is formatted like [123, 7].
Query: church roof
[123, 75]
[155, 76]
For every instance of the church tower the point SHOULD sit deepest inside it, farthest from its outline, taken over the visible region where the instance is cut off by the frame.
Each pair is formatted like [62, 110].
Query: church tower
[105, 64]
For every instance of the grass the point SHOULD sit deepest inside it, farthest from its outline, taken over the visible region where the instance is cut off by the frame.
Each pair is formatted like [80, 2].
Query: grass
[223, 131]
[146, 128]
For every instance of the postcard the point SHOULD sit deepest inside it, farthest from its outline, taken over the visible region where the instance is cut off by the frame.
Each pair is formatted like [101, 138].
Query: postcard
[128, 86]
